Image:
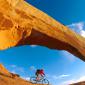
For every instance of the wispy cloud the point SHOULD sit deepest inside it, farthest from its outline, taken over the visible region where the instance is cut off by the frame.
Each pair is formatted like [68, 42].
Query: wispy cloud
[68, 82]
[32, 68]
[20, 70]
[33, 46]
[55, 77]
[60, 76]
[26, 78]
[82, 33]
[64, 75]
[16, 69]
[82, 78]
[78, 27]
[13, 66]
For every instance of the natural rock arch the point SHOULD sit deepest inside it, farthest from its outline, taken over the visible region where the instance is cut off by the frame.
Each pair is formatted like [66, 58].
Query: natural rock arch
[23, 24]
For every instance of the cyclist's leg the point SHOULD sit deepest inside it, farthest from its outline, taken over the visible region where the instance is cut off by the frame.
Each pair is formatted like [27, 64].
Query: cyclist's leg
[38, 77]
[42, 76]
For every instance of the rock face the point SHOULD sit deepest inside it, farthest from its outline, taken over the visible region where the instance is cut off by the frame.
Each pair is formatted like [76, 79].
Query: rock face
[23, 24]
[3, 69]
[7, 78]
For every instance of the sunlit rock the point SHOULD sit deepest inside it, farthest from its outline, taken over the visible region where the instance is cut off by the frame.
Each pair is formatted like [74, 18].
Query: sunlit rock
[23, 24]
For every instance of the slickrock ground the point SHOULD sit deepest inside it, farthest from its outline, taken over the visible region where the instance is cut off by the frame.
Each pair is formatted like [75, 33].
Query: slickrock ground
[23, 24]
[7, 79]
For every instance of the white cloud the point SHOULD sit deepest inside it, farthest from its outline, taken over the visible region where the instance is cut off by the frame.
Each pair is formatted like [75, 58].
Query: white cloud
[13, 66]
[82, 78]
[64, 75]
[82, 33]
[68, 82]
[33, 46]
[32, 68]
[26, 78]
[20, 70]
[13, 71]
[54, 77]
[16, 69]
[78, 27]
[60, 77]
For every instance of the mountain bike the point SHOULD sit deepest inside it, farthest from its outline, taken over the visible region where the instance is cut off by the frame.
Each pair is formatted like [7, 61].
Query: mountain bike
[42, 80]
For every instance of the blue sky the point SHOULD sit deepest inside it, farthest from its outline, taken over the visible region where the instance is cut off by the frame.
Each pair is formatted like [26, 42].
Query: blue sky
[60, 67]
[65, 11]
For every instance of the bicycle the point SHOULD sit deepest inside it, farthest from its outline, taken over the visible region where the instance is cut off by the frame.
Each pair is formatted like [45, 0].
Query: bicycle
[42, 80]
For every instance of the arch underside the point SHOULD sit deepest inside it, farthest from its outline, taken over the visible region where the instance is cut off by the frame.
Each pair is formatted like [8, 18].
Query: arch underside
[23, 24]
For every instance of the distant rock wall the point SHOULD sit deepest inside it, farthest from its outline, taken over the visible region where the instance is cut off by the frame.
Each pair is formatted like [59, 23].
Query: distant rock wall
[23, 24]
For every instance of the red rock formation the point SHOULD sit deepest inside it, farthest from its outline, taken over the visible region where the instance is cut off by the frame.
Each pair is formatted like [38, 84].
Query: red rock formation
[3, 69]
[23, 24]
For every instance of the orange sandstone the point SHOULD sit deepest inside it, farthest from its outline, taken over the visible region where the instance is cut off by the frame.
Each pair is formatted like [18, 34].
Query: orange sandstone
[23, 24]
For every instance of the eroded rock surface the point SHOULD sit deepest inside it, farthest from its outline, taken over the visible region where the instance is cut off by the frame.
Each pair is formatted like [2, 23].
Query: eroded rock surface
[23, 24]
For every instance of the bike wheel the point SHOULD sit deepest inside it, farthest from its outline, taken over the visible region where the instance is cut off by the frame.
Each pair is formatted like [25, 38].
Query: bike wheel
[45, 81]
[33, 80]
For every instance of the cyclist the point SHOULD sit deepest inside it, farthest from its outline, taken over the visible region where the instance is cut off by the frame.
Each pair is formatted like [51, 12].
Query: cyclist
[39, 74]
[39, 78]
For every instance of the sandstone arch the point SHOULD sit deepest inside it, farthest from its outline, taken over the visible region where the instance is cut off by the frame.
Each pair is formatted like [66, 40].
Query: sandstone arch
[31, 26]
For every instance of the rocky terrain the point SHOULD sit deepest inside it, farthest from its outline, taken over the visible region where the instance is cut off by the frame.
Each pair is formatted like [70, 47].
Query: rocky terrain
[7, 78]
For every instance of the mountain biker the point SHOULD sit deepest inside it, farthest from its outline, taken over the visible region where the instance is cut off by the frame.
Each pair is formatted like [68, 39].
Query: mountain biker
[39, 74]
